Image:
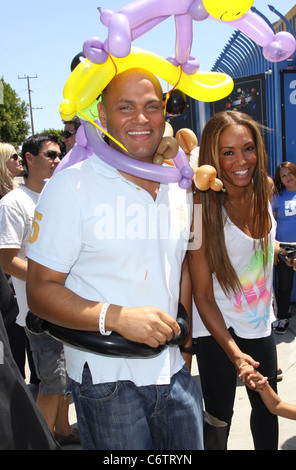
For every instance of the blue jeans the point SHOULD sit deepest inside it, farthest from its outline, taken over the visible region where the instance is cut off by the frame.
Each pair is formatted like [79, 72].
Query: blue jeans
[122, 416]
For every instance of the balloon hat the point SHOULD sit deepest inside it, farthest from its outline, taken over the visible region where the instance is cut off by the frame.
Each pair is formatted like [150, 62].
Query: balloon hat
[89, 79]
[138, 17]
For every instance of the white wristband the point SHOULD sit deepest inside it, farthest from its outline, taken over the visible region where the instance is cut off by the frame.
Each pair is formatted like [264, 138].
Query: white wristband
[102, 320]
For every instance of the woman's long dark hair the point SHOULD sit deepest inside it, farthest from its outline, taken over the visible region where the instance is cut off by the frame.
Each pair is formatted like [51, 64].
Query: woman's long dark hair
[212, 202]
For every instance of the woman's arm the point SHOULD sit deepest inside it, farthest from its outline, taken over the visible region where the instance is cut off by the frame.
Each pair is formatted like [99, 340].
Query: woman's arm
[186, 300]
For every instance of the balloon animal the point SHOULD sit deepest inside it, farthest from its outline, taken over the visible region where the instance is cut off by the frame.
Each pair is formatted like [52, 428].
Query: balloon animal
[138, 17]
[112, 345]
[89, 79]
[205, 176]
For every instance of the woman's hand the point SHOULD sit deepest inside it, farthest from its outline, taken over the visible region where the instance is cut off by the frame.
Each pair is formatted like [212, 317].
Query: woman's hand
[252, 378]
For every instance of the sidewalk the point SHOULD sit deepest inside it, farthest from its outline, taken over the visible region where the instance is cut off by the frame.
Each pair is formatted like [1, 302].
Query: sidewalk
[240, 436]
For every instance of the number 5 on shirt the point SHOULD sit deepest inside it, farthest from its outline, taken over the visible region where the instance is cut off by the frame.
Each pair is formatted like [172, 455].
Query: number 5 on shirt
[35, 227]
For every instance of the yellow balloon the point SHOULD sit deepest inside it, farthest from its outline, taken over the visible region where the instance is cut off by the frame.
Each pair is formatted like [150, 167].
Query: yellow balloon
[227, 10]
[88, 80]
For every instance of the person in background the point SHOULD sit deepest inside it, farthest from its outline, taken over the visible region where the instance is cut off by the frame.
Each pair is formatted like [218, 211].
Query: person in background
[23, 426]
[41, 154]
[232, 272]
[284, 211]
[69, 133]
[10, 168]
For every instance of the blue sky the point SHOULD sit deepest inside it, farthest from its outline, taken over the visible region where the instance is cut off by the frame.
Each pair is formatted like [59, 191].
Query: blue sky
[40, 38]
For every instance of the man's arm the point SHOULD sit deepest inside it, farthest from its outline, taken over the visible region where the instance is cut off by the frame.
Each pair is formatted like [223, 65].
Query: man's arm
[12, 264]
[49, 299]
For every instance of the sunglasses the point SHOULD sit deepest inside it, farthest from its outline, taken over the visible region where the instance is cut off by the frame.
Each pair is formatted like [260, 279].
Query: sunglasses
[15, 156]
[67, 134]
[52, 154]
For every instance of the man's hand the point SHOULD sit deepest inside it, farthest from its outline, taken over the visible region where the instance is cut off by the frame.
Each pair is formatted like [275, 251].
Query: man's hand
[148, 325]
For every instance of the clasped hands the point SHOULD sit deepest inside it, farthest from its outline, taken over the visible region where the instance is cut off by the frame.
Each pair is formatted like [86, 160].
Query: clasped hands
[251, 377]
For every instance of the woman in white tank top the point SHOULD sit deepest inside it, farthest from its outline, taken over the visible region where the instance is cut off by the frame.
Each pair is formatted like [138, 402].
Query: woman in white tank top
[232, 271]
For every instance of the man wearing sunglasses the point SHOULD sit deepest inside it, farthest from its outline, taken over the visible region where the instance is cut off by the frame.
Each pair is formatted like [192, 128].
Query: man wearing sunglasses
[41, 155]
[69, 134]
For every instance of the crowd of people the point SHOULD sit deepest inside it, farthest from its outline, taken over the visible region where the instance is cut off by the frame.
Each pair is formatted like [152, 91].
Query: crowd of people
[39, 157]
[68, 268]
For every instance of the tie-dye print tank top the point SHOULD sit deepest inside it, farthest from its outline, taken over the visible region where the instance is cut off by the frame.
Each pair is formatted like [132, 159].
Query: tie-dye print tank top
[250, 312]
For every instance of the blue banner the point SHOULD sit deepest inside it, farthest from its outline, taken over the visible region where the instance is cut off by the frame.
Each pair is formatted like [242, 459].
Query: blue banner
[289, 115]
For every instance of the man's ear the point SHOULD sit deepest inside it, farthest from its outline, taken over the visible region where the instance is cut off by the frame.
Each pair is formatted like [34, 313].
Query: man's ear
[30, 159]
[102, 114]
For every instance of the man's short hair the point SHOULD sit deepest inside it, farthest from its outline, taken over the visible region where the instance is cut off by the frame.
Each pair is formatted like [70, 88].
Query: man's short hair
[75, 121]
[34, 145]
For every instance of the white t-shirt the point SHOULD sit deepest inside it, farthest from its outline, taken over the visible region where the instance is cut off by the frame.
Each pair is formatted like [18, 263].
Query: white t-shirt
[250, 314]
[118, 246]
[16, 216]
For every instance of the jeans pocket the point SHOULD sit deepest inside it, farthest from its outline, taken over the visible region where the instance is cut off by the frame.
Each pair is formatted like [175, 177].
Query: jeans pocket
[102, 392]
[185, 370]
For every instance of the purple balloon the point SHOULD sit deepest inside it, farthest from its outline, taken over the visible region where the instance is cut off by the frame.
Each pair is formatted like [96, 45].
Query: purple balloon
[197, 11]
[119, 37]
[144, 15]
[185, 183]
[281, 48]
[105, 16]
[254, 27]
[81, 151]
[134, 167]
[93, 49]
[140, 11]
[141, 29]
[141, 16]
[187, 172]
[190, 67]
[184, 32]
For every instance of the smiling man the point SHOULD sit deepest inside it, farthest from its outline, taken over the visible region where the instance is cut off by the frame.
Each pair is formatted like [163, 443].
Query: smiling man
[130, 285]
[134, 114]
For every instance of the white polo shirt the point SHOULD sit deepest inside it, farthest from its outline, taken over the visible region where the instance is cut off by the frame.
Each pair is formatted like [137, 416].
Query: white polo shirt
[118, 246]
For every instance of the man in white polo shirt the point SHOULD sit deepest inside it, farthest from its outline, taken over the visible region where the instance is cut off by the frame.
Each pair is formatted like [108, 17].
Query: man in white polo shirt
[108, 253]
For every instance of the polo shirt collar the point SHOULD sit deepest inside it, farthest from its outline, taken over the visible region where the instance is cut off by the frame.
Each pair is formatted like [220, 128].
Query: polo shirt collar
[109, 171]
[103, 168]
